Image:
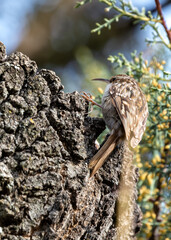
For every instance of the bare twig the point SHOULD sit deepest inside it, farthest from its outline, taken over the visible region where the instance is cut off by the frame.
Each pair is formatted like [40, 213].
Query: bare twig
[159, 9]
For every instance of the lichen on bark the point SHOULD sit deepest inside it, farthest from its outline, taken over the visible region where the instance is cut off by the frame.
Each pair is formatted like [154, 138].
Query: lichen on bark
[46, 139]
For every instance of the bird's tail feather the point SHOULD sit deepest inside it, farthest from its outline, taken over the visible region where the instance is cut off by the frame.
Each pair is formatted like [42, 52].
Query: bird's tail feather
[99, 158]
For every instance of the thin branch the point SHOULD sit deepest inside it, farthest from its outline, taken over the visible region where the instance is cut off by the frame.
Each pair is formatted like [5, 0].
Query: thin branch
[159, 9]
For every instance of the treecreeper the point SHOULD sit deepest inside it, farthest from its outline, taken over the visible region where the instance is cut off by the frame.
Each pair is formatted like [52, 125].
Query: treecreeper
[125, 113]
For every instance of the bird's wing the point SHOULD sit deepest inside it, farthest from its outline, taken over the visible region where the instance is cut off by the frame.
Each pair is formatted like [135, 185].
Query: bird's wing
[131, 106]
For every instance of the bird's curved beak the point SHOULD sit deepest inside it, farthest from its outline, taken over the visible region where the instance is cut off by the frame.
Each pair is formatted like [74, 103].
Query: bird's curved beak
[101, 79]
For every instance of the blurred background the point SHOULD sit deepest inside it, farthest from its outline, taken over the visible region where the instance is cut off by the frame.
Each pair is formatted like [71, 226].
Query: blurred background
[58, 36]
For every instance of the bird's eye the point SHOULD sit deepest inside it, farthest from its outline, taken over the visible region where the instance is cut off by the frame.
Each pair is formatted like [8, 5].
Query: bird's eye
[112, 79]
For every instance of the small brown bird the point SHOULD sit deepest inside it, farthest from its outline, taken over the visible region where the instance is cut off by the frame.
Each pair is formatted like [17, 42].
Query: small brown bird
[125, 113]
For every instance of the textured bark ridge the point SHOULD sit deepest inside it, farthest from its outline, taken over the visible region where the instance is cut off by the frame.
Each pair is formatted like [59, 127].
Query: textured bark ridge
[46, 138]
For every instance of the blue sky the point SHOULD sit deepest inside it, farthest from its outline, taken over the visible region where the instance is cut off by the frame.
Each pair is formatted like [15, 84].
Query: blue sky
[13, 19]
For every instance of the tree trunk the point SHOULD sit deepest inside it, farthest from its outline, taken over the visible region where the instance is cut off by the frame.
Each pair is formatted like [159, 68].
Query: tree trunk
[46, 140]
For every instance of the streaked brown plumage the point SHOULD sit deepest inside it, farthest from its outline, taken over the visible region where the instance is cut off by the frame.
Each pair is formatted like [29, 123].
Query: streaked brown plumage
[125, 112]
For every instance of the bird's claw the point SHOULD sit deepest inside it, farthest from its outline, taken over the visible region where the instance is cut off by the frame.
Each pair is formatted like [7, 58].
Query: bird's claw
[87, 96]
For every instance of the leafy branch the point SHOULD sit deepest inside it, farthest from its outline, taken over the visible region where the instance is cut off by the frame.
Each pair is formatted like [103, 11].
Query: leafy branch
[140, 68]
[79, 4]
[156, 35]
[126, 9]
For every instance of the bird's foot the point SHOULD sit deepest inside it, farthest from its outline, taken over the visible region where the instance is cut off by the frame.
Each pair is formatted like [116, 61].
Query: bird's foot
[89, 98]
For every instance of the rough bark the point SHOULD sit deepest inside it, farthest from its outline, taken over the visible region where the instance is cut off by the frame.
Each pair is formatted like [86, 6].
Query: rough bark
[46, 139]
